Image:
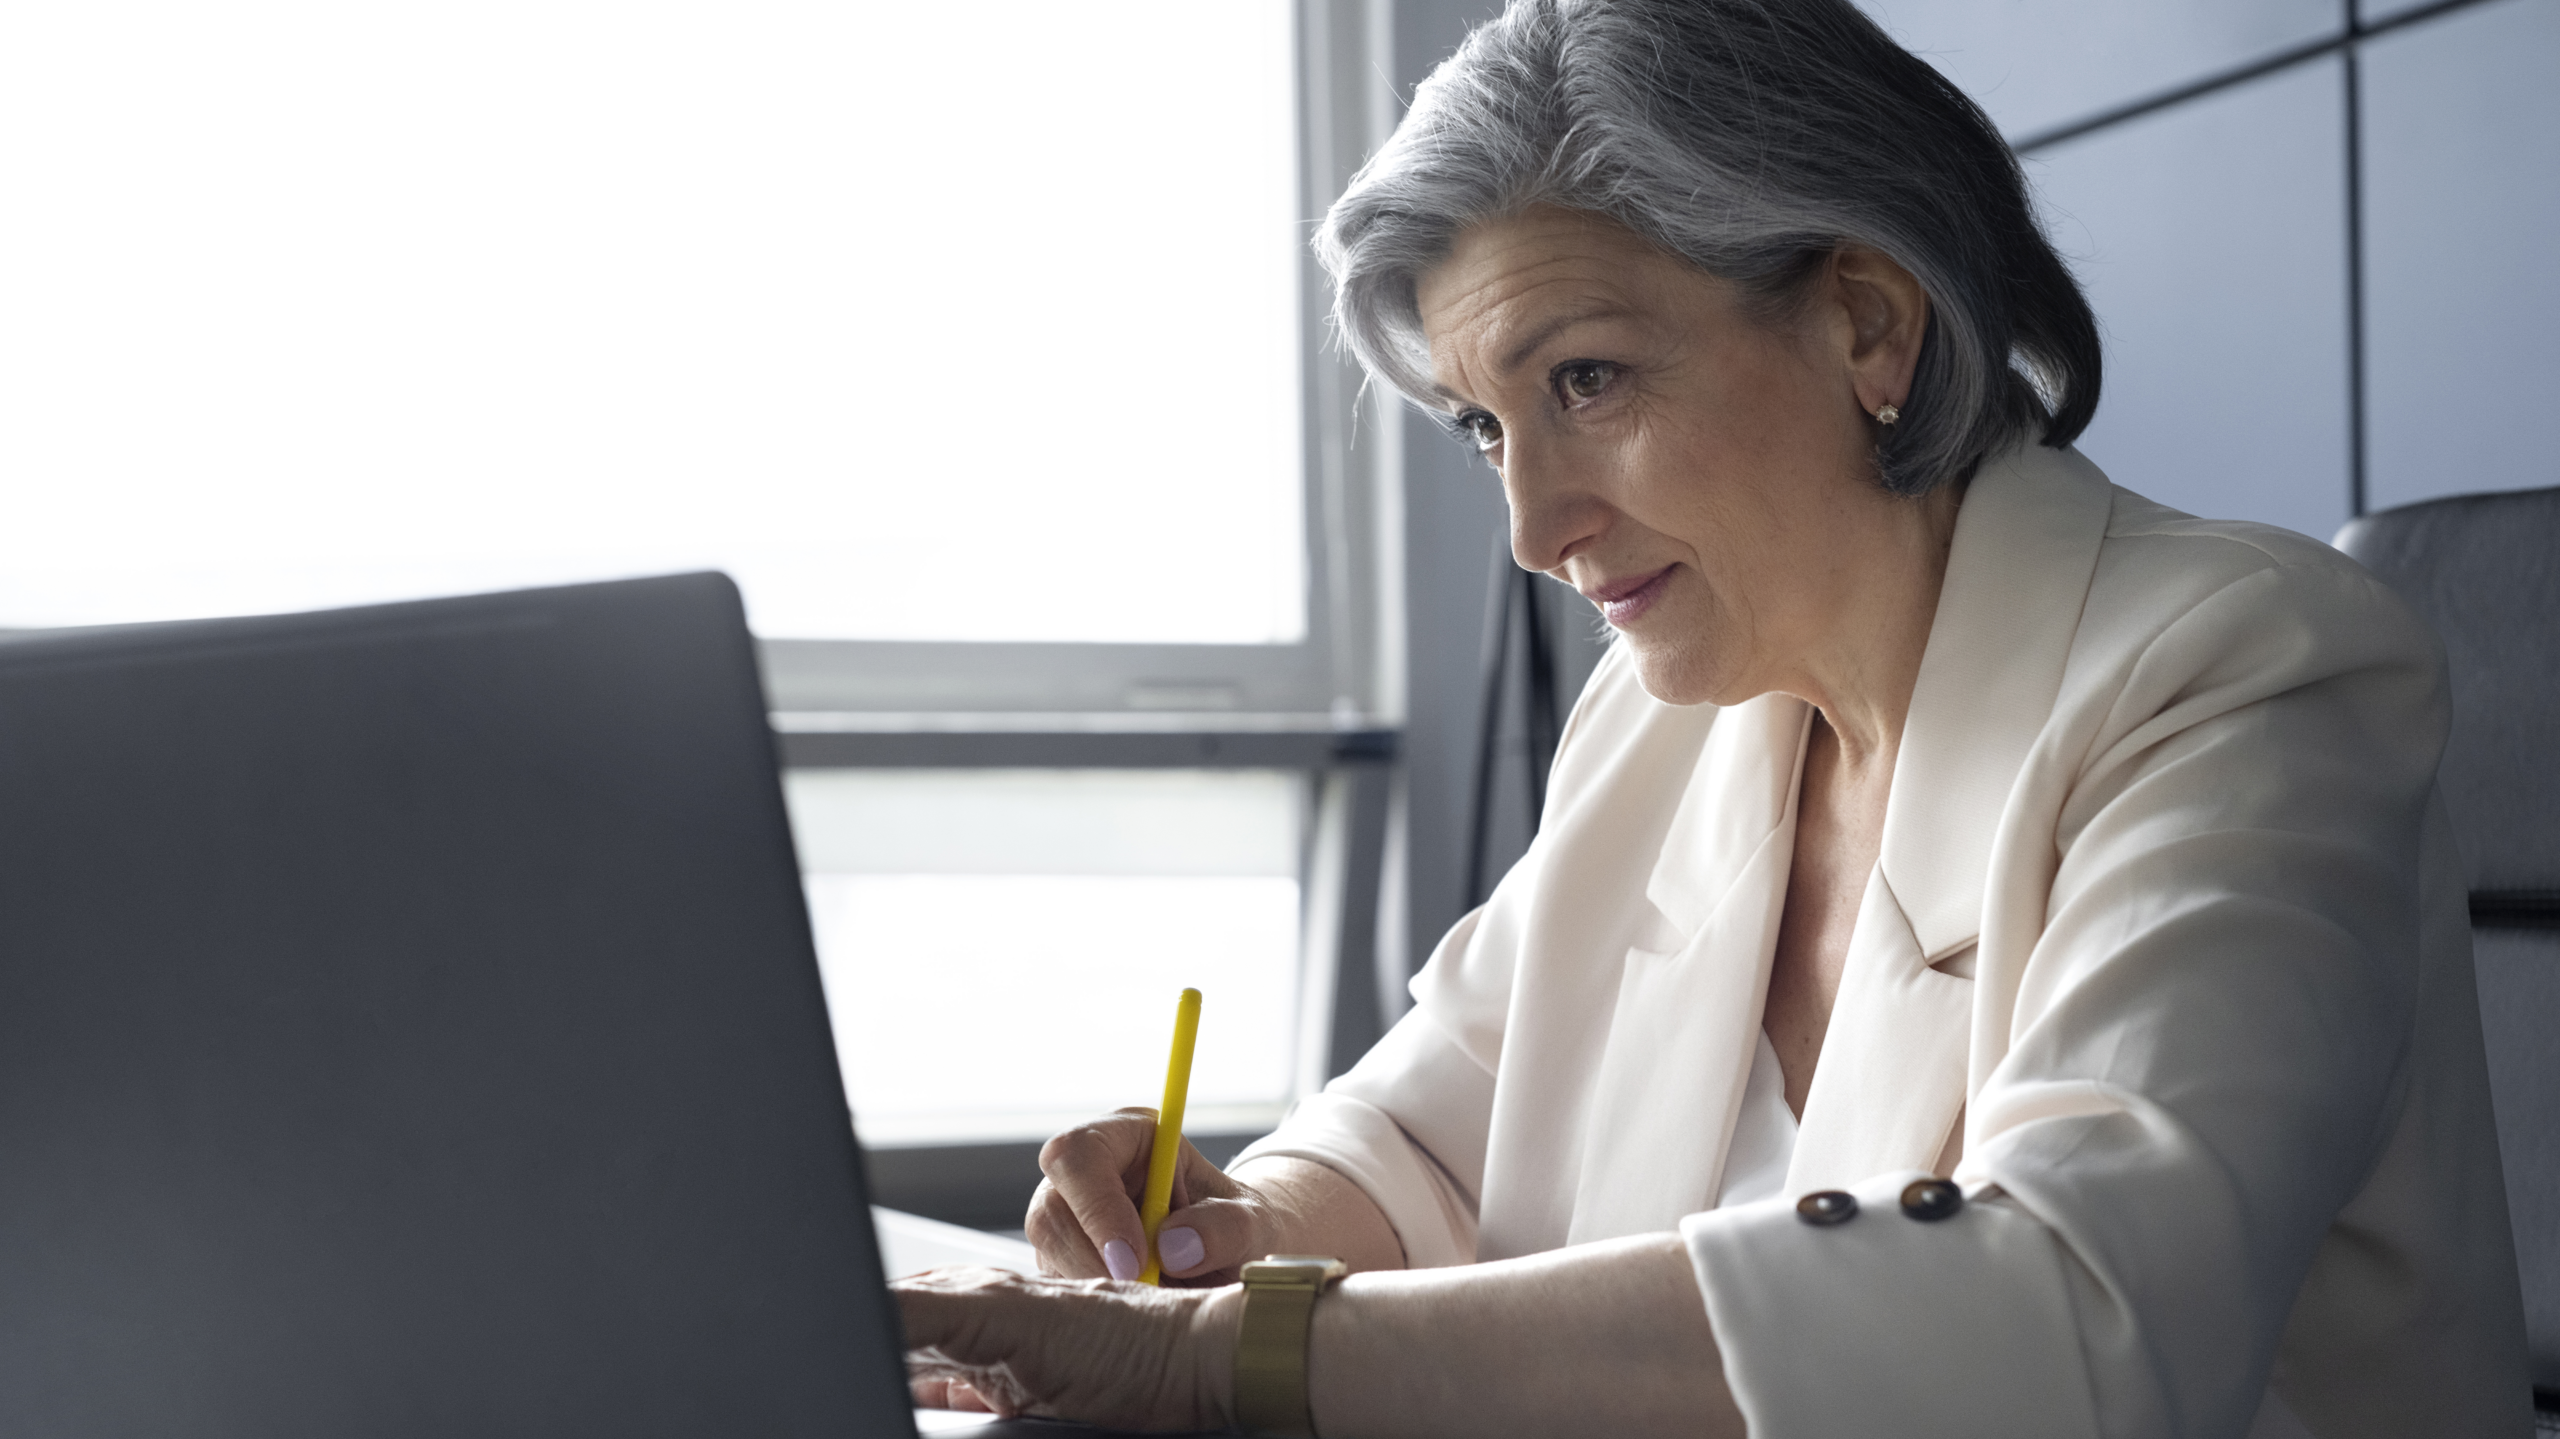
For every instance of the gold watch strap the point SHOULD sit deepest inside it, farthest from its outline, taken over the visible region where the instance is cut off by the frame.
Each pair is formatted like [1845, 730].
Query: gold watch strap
[1271, 1348]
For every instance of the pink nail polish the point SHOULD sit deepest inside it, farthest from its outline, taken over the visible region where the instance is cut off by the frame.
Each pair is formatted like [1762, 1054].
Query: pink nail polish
[1120, 1259]
[1180, 1248]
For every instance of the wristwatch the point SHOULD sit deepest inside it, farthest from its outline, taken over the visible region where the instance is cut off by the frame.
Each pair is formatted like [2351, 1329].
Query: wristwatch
[1271, 1350]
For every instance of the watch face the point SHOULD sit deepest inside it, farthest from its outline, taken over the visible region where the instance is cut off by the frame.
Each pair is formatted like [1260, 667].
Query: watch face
[1308, 1269]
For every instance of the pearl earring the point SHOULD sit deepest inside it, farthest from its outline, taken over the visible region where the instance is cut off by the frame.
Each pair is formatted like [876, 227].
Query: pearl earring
[1887, 414]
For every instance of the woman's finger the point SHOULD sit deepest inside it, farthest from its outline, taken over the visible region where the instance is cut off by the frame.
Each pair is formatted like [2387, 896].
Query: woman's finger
[1058, 1237]
[1196, 1179]
[943, 1391]
[1209, 1241]
[1090, 1168]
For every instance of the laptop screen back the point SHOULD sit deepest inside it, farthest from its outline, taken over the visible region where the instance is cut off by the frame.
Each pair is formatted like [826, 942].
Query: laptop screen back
[409, 1025]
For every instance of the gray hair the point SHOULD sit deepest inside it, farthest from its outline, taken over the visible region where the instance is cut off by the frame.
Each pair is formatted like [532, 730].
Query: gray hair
[1753, 138]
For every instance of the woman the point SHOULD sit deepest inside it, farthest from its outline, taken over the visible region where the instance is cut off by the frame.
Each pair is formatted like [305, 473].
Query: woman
[1941, 812]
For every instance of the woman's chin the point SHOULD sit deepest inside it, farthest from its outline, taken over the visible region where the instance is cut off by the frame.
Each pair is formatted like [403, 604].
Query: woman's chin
[1677, 674]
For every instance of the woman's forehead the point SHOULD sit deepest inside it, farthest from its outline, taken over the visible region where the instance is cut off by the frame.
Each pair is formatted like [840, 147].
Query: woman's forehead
[1541, 245]
[1510, 284]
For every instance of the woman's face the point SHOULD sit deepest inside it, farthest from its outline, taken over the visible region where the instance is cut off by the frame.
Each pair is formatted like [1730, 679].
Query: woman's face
[1691, 471]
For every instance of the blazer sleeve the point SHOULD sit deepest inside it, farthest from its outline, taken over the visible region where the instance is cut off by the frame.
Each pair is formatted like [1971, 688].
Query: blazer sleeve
[1408, 1125]
[2210, 1042]
[1411, 1121]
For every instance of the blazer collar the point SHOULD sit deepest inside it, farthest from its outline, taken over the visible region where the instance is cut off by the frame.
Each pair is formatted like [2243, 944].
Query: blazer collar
[2025, 547]
[2026, 544]
[1742, 788]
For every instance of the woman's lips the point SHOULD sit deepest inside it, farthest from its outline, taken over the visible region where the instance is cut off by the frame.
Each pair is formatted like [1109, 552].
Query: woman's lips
[1621, 601]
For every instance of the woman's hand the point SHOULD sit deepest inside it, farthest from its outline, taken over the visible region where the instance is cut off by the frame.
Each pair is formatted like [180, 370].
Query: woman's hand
[1124, 1356]
[1084, 1216]
[1605, 1337]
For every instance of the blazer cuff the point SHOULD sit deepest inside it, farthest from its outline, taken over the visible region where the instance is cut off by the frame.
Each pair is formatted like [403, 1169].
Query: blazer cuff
[1889, 1325]
[1357, 1140]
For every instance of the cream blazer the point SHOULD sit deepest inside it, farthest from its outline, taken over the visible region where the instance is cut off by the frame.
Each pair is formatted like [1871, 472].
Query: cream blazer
[2167, 958]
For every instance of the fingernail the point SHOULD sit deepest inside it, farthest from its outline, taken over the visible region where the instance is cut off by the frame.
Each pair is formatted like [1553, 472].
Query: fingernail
[1120, 1259]
[1180, 1248]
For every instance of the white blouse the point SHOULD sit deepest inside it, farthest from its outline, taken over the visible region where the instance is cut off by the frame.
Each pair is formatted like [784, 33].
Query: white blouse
[1764, 1134]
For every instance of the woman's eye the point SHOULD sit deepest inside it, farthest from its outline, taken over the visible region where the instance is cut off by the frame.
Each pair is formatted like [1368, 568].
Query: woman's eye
[1585, 379]
[1483, 429]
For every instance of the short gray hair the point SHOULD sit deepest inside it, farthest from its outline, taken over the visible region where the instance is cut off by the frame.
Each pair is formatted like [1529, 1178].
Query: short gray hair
[1753, 138]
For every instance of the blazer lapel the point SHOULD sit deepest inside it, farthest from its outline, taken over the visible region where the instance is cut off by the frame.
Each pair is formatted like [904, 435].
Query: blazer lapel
[1682, 1034]
[2026, 543]
[1897, 1062]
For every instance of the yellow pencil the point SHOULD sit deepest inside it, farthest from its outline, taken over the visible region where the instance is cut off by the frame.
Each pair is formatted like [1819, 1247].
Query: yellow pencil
[1168, 1150]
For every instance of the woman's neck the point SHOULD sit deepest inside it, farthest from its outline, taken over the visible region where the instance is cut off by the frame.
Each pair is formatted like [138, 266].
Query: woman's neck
[1869, 618]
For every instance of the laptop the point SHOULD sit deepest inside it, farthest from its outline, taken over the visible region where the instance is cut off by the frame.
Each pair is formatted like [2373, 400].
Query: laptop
[409, 1026]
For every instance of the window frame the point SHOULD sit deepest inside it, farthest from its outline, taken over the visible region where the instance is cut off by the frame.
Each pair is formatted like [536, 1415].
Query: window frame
[1328, 706]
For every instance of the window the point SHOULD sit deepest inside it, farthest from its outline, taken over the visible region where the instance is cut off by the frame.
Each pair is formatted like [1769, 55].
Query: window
[1001, 947]
[892, 312]
[978, 343]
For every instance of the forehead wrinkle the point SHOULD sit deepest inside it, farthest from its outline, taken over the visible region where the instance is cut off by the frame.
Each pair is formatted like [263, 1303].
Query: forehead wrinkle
[1492, 321]
[1537, 339]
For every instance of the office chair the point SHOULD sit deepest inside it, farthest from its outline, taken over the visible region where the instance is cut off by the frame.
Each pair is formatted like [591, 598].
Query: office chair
[2484, 570]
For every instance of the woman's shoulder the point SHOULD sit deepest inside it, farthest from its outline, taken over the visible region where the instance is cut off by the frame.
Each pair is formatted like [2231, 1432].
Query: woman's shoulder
[2142, 532]
[2176, 595]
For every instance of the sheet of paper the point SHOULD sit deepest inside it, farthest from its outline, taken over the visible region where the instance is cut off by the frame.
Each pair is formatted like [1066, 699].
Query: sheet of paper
[911, 1244]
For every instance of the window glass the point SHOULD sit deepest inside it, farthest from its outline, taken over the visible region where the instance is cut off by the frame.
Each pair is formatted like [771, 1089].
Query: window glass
[1002, 948]
[2212, 240]
[2035, 66]
[2461, 201]
[925, 321]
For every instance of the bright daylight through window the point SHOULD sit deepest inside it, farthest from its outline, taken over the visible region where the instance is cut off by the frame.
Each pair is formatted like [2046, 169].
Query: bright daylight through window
[1041, 922]
[895, 313]
[883, 309]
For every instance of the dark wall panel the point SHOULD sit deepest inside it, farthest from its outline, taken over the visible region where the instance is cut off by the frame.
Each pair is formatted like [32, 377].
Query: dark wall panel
[2211, 237]
[2462, 216]
[2038, 66]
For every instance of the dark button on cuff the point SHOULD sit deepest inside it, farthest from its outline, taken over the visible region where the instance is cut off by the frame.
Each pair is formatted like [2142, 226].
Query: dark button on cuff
[1828, 1206]
[1931, 1199]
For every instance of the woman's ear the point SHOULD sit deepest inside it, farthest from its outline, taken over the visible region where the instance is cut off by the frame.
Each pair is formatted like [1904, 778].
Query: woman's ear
[1887, 313]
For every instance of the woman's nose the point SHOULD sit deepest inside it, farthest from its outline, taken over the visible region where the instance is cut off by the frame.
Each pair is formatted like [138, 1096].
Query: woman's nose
[1551, 516]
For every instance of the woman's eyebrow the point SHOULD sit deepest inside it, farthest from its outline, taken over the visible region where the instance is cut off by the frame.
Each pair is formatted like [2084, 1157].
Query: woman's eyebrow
[1536, 339]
